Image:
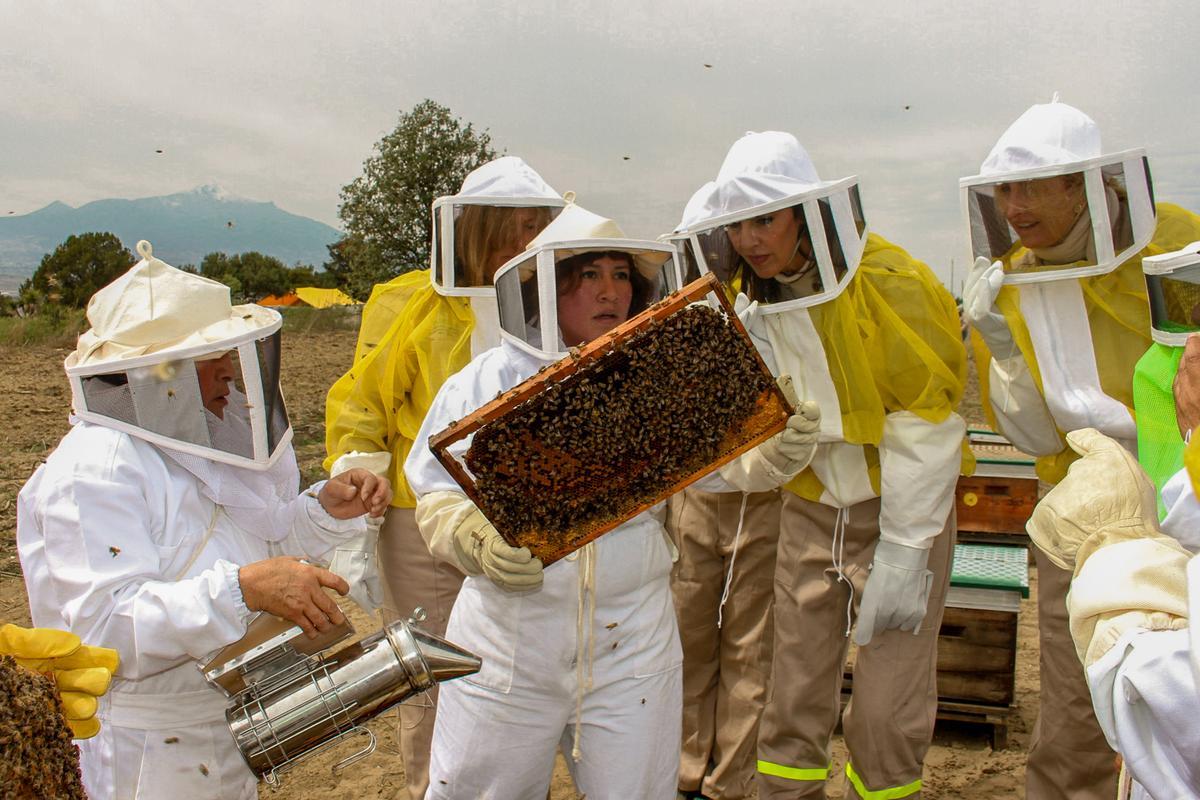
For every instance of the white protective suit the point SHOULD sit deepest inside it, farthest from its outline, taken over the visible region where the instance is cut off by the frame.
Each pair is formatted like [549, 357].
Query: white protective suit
[602, 624]
[120, 545]
[1146, 689]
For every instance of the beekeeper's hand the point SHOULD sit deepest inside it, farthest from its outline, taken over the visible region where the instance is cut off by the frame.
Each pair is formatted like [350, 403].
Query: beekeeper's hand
[747, 311]
[355, 492]
[1187, 387]
[790, 450]
[1105, 497]
[897, 591]
[979, 307]
[295, 590]
[481, 549]
[81, 672]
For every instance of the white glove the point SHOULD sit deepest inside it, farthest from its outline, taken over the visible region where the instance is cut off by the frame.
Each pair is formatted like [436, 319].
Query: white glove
[747, 311]
[897, 591]
[790, 450]
[358, 562]
[979, 307]
[481, 549]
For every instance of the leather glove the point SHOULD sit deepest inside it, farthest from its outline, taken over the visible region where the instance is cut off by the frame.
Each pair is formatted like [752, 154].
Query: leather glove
[1105, 498]
[897, 591]
[748, 312]
[81, 672]
[358, 562]
[481, 549]
[790, 450]
[979, 307]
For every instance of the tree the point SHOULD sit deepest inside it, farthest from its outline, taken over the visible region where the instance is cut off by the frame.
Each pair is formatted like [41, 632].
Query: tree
[76, 269]
[252, 276]
[386, 209]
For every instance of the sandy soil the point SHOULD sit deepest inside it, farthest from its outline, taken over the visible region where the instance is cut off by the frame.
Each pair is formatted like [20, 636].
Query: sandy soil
[961, 764]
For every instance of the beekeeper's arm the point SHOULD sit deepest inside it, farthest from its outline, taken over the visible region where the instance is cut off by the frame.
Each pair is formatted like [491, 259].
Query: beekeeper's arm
[103, 570]
[454, 528]
[919, 464]
[1129, 611]
[1017, 405]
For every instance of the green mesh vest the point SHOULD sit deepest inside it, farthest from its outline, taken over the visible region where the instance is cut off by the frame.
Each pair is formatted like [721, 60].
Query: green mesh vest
[1160, 447]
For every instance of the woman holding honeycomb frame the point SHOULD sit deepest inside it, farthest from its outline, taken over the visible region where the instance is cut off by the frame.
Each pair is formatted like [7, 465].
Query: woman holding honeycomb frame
[584, 653]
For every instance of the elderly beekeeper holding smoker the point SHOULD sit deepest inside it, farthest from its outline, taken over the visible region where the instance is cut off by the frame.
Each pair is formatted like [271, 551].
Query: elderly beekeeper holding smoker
[169, 514]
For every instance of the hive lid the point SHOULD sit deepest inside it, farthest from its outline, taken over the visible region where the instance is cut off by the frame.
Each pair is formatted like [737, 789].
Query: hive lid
[991, 566]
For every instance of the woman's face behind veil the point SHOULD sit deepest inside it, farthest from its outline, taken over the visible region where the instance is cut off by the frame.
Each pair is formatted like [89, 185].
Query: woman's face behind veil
[768, 243]
[524, 224]
[1042, 211]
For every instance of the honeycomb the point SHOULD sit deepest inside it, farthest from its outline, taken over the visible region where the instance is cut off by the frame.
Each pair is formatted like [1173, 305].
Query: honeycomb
[622, 431]
[37, 757]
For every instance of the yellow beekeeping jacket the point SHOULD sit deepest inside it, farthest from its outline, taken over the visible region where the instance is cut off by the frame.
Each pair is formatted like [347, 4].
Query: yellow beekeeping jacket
[411, 340]
[892, 342]
[1119, 318]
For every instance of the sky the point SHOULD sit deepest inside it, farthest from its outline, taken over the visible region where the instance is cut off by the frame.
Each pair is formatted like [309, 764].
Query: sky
[283, 101]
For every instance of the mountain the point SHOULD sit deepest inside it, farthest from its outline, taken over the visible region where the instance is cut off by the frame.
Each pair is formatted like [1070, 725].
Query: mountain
[183, 228]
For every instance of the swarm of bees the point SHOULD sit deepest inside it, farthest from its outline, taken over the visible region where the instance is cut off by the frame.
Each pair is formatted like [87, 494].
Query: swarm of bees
[37, 756]
[619, 432]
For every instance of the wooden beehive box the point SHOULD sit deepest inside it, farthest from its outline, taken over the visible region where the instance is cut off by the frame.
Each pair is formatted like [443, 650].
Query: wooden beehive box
[532, 465]
[995, 502]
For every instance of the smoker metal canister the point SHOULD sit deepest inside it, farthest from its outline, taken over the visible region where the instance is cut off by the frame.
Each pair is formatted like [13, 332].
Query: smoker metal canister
[318, 701]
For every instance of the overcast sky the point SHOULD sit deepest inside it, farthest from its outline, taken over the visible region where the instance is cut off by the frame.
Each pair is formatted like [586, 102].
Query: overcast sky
[283, 101]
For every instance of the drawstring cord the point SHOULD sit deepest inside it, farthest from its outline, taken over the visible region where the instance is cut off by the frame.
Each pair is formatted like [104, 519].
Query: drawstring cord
[584, 650]
[839, 561]
[733, 558]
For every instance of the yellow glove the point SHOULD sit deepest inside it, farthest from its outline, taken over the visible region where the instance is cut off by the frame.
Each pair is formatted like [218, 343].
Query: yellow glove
[1105, 498]
[81, 672]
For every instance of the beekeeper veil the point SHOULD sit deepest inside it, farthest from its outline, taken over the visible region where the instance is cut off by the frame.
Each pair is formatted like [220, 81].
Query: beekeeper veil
[1052, 205]
[168, 359]
[500, 207]
[770, 228]
[529, 287]
[1173, 286]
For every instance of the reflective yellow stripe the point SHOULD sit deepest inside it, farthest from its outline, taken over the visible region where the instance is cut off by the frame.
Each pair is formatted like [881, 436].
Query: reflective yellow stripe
[894, 793]
[793, 773]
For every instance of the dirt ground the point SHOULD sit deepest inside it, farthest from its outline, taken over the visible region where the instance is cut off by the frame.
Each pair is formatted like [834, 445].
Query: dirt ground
[34, 405]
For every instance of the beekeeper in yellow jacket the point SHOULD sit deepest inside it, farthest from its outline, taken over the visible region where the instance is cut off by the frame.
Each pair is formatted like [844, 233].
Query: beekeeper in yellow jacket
[866, 531]
[1057, 300]
[418, 330]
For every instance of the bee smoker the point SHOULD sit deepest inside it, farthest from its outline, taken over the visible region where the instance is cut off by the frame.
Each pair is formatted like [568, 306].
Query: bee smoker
[289, 701]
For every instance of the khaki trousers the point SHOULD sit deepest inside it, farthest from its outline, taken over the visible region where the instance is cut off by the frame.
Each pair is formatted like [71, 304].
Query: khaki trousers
[889, 722]
[1068, 756]
[414, 578]
[724, 669]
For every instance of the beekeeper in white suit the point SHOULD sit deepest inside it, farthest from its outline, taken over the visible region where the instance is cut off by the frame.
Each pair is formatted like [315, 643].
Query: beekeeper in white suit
[158, 524]
[584, 653]
[870, 334]
[1134, 606]
[1057, 301]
